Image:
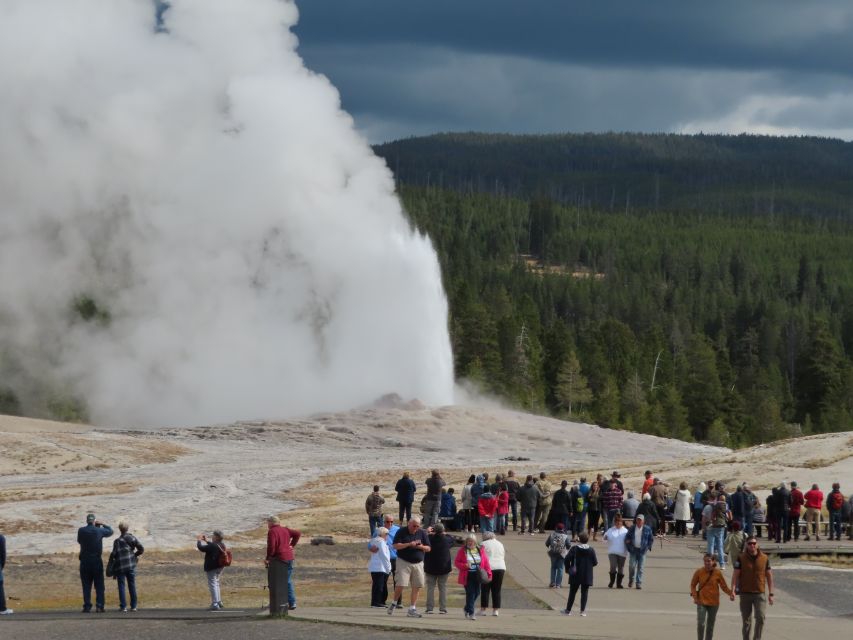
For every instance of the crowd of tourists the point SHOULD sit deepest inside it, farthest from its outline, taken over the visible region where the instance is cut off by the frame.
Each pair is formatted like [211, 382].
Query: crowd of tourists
[418, 555]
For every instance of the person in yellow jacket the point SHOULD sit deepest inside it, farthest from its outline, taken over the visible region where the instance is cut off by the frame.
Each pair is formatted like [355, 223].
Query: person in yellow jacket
[705, 590]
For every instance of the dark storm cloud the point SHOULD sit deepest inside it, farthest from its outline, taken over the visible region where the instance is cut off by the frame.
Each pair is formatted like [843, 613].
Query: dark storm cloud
[408, 68]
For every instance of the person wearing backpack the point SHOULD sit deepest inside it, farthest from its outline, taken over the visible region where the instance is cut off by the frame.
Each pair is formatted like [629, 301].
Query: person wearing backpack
[720, 517]
[212, 550]
[126, 549]
[557, 544]
[279, 564]
[834, 504]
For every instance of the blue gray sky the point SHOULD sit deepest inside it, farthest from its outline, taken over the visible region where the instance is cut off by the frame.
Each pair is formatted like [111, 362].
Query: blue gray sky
[413, 67]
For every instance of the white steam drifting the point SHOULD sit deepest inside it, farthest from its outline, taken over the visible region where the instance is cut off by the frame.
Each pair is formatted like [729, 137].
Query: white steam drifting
[243, 247]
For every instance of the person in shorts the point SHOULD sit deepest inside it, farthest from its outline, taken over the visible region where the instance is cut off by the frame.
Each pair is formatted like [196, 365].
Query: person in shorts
[411, 543]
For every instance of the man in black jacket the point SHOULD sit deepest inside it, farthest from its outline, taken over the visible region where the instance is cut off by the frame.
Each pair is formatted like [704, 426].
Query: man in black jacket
[437, 567]
[405, 489]
[561, 506]
[783, 514]
[512, 489]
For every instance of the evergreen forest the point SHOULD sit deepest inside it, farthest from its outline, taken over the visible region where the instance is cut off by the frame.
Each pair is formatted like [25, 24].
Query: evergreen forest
[696, 287]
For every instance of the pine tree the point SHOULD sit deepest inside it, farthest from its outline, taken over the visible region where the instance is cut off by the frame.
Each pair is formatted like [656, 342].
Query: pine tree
[572, 388]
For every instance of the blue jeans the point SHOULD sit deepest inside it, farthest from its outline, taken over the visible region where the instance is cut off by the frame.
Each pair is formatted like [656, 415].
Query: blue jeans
[747, 523]
[375, 523]
[556, 570]
[486, 524]
[92, 573]
[636, 562]
[835, 524]
[472, 591]
[130, 576]
[578, 523]
[716, 537]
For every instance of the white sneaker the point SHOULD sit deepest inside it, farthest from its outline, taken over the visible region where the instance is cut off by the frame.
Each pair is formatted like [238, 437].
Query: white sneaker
[6, 612]
[583, 614]
[495, 612]
[566, 611]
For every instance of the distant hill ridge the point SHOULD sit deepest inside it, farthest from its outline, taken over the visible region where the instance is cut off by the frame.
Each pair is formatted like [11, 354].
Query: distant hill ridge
[741, 174]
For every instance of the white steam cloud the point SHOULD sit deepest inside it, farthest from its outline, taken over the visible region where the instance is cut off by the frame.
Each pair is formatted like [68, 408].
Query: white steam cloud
[191, 230]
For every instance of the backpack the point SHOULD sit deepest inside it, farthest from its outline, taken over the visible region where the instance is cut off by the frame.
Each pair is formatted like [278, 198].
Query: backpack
[578, 500]
[836, 501]
[720, 514]
[558, 544]
[225, 557]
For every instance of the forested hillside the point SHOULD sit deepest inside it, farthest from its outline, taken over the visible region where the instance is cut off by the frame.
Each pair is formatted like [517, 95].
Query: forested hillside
[746, 174]
[732, 326]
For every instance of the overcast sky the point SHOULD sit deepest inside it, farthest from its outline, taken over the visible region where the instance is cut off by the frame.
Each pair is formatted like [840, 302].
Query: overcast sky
[412, 67]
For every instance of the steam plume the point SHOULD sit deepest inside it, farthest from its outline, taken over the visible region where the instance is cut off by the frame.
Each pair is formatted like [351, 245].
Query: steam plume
[191, 230]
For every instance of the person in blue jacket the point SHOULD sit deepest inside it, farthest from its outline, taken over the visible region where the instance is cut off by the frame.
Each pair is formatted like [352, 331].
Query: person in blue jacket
[91, 541]
[638, 541]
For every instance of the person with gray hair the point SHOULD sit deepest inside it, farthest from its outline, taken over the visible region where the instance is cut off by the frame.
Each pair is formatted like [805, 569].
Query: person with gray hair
[91, 541]
[379, 566]
[212, 549]
[279, 564]
[126, 549]
[629, 507]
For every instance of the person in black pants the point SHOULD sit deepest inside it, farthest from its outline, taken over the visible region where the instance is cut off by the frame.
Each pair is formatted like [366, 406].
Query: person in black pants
[579, 564]
[405, 489]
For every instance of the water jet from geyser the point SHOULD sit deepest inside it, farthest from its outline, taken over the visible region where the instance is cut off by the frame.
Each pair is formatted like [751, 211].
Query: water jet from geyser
[191, 229]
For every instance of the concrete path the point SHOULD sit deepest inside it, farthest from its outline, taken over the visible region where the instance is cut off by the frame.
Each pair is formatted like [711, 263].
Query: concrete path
[661, 610]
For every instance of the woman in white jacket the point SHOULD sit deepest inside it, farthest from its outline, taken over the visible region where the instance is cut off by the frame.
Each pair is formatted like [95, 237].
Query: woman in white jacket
[682, 510]
[497, 561]
[379, 566]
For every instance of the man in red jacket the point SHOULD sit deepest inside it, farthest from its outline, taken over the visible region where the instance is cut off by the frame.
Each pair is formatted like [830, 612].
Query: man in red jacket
[814, 503]
[797, 502]
[279, 564]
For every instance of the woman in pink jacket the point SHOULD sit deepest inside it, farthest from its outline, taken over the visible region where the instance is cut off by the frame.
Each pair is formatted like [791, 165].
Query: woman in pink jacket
[469, 560]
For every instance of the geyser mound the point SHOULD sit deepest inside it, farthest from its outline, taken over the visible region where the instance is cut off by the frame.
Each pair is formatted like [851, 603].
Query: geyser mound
[191, 230]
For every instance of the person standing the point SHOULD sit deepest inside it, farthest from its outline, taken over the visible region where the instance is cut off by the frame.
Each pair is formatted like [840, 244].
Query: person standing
[494, 550]
[578, 509]
[4, 610]
[543, 503]
[638, 541]
[612, 500]
[705, 589]
[797, 502]
[718, 521]
[616, 551]
[279, 564]
[648, 511]
[659, 496]
[734, 542]
[434, 485]
[593, 501]
[127, 549]
[682, 510]
[91, 541]
[783, 514]
[502, 518]
[835, 506]
[512, 488]
[580, 561]
[749, 504]
[466, 504]
[528, 497]
[561, 506]
[468, 561]
[437, 567]
[814, 503]
[212, 549]
[647, 482]
[751, 579]
[373, 507]
[379, 566]
[487, 508]
[411, 544]
[405, 489]
[392, 554]
[698, 506]
[558, 546]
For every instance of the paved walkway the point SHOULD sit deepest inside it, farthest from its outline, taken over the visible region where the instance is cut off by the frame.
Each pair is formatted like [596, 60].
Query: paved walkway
[661, 610]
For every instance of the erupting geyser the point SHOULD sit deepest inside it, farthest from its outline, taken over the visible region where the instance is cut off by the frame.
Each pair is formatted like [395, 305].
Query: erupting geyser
[191, 230]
